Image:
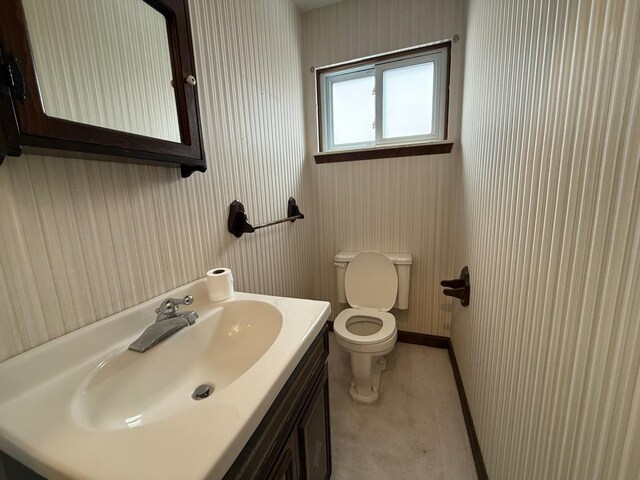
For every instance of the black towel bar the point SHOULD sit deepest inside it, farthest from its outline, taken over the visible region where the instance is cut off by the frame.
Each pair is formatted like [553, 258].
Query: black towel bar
[239, 225]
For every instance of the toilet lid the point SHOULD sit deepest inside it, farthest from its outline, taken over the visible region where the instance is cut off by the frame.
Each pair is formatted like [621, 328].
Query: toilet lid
[371, 281]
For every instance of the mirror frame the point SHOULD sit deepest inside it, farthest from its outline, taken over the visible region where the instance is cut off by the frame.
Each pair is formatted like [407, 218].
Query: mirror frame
[25, 124]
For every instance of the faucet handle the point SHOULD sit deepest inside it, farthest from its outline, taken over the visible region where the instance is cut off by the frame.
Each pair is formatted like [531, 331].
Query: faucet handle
[170, 305]
[188, 300]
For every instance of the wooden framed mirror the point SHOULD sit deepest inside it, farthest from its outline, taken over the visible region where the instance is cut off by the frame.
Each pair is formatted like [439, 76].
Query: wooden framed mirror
[108, 78]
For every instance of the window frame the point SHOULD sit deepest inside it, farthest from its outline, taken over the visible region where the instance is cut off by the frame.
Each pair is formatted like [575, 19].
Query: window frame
[436, 142]
[437, 114]
[330, 80]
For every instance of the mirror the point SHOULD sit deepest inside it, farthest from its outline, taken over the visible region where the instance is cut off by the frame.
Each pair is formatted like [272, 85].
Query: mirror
[104, 63]
[114, 79]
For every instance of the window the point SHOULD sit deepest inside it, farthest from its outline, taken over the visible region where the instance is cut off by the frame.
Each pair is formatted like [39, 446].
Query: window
[390, 100]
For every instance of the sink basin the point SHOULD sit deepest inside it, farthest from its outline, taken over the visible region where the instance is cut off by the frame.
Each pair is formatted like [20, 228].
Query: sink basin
[130, 389]
[84, 406]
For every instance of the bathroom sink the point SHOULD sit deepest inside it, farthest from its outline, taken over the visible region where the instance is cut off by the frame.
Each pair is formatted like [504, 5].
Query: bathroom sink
[84, 406]
[130, 389]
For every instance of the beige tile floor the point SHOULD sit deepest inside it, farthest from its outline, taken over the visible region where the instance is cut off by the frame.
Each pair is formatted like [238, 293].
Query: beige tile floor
[415, 430]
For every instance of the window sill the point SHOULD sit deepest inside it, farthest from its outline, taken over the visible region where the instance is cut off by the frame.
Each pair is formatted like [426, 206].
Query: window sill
[390, 151]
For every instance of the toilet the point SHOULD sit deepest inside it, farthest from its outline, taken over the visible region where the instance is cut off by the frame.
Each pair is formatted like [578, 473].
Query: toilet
[372, 283]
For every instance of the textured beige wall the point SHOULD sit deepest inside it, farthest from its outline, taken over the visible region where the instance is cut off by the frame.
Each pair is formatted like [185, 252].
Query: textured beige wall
[80, 240]
[548, 348]
[400, 205]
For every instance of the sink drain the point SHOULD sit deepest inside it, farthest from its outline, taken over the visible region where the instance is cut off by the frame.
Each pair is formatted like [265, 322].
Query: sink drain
[202, 391]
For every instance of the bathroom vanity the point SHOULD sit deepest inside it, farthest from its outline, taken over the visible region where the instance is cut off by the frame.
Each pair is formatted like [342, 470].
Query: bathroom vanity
[85, 406]
[293, 439]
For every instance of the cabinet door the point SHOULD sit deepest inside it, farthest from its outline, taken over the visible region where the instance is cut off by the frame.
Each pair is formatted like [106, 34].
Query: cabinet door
[287, 465]
[315, 434]
[72, 99]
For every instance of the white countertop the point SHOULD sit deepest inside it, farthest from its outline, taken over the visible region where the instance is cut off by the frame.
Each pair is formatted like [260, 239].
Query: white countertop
[38, 428]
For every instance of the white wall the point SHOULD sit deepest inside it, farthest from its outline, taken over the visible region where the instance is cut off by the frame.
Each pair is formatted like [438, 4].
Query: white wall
[80, 240]
[400, 205]
[550, 228]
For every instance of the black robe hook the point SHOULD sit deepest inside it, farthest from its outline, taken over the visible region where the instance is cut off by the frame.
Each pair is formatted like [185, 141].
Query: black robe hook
[459, 288]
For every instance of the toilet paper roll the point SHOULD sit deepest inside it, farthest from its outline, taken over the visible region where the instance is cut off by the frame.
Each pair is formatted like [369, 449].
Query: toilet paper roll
[219, 284]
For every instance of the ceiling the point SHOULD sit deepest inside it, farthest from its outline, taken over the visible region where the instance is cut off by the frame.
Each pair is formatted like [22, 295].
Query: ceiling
[306, 5]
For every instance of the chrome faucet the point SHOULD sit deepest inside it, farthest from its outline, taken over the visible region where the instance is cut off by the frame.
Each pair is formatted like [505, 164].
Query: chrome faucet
[168, 322]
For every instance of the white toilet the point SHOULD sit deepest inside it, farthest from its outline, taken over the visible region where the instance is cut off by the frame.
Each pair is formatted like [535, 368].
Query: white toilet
[372, 283]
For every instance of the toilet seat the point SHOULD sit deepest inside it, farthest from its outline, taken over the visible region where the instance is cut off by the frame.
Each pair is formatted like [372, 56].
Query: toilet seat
[387, 330]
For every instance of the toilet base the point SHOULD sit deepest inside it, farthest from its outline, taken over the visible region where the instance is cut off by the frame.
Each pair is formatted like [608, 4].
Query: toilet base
[379, 365]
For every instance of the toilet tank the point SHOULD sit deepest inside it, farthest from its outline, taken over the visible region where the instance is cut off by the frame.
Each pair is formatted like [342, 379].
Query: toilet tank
[402, 262]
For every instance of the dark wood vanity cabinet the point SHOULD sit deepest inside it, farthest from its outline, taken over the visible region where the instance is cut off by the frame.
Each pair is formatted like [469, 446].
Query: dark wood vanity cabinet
[293, 441]
[287, 466]
[314, 433]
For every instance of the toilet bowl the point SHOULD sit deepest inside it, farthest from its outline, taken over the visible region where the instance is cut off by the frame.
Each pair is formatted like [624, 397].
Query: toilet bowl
[367, 330]
[367, 336]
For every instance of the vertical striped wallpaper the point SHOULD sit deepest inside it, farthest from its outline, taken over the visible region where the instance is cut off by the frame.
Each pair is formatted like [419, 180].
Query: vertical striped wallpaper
[541, 198]
[80, 240]
[399, 205]
[549, 226]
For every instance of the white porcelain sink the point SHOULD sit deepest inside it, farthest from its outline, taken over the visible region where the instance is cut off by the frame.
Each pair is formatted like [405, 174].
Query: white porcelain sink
[84, 406]
[130, 389]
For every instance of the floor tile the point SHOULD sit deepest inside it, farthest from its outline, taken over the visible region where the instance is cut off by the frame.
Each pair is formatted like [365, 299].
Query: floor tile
[415, 430]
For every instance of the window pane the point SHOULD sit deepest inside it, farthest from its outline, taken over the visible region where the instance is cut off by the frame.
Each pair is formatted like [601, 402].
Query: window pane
[407, 101]
[354, 111]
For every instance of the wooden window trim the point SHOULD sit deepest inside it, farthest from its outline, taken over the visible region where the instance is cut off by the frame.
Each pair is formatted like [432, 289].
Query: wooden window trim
[387, 151]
